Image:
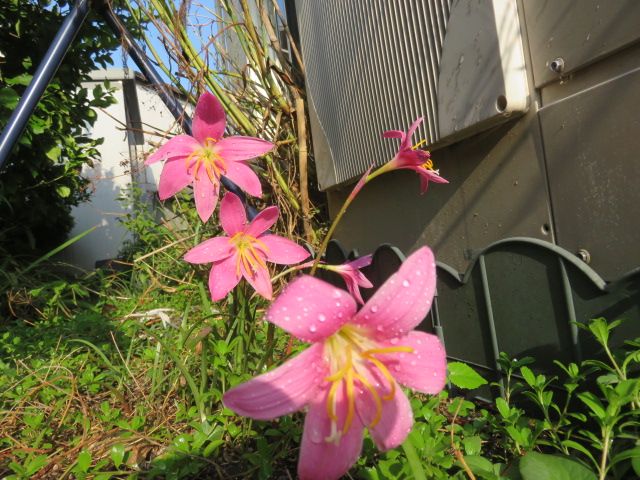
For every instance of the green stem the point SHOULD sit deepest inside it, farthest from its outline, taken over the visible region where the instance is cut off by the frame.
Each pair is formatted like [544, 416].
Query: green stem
[361, 183]
[605, 454]
[414, 460]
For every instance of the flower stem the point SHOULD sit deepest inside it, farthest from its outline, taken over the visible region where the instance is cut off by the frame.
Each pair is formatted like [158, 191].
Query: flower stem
[366, 178]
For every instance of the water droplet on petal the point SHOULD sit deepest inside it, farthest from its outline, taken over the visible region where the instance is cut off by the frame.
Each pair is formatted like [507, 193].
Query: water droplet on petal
[337, 293]
[321, 317]
[413, 363]
[299, 299]
[313, 328]
[374, 308]
[340, 315]
[405, 283]
[394, 341]
[338, 304]
[286, 319]
[418, 273]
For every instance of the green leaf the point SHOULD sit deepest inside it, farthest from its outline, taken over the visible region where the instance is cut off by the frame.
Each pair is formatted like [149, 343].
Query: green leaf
[84, 461]
[63, 191]
[463, 376]
[472, 445]
[117, 454]
[591, 401]
[632, 453]
[528, 376]
[480, 466]
[503, 408]
[9, 98]
[539, 466]
[54, 153]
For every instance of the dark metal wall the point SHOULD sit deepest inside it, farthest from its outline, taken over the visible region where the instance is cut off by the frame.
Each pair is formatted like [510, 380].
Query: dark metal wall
[521, 296]
[566, 172]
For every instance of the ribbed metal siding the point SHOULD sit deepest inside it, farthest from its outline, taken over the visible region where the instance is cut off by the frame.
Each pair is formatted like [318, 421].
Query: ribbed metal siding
[371, 66]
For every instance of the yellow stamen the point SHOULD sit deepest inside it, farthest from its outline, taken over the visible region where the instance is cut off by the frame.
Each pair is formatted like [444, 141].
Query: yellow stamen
[417, 145]
[248, 258]
[206, 156]
[350, 351]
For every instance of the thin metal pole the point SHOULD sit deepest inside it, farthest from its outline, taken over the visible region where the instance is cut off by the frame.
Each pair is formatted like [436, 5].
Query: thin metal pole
[41, 79]
[166, 95]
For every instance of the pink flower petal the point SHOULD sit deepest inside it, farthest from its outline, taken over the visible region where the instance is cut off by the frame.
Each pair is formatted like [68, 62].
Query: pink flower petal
[223, 277]
[403, 301]
[311, 309]
[243, 176]
[282, 391]
[406, 141]
[427, 176]
[178, 146]
[322, 459]
[212, 250]
[232, 214]
[262, 222]
[174, 177]
[209, 118]
[206, 195]
[395, 422]
[352, 286]
[242, 148]
[423, 370]
[260, 281]
[394, 134]
[283, 251]
[361, 262]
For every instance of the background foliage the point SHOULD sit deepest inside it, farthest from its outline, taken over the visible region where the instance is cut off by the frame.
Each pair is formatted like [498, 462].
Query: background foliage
[41, 180]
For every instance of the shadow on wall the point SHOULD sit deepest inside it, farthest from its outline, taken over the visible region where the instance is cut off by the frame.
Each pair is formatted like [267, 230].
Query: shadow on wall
[104, 209]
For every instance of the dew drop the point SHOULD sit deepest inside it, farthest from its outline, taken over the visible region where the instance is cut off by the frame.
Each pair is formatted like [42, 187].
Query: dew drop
[419, 342]
[418, 273]
[413, 363]
[435, 374]
[321, 317]
[340, 314]
[394, 341]
[313, 328]
[337, 293]
[338, 304]
[374, 308]
[299, 299]
[286, 319]
[405, 283]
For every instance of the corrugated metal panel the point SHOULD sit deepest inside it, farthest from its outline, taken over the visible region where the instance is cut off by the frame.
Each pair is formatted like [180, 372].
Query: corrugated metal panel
[371, 66]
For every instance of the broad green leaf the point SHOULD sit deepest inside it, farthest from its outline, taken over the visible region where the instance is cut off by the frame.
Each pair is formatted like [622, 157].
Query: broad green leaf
[117, 454]
[503, 408]
[472, 445]
[539, 466]
[528, 376]
[480, 466]
[591, 401]
[63, 191]
[54, 153]
[463, 376]
[8, 98]
[84, 461]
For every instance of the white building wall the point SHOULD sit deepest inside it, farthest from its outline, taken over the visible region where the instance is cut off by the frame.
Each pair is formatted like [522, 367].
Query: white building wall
[121, 164]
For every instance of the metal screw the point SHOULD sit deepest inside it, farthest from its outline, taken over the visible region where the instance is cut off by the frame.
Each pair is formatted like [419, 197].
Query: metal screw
[584, 255]
[557, 65]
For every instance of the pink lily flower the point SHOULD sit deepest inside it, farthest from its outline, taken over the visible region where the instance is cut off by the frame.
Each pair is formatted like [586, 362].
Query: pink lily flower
[348, 378]
[411, 158]
[203, 158]
[245, 251]
[352, 276]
